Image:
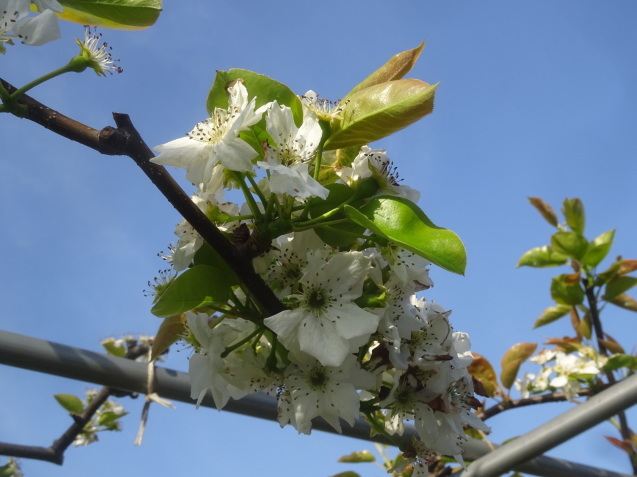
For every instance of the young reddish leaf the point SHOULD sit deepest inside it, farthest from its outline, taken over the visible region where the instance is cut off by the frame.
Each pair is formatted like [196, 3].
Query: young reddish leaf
[481, 369]
[513, 359]
[551, 314]
[599, 248]
[564, 292]
[575, 321]
[380, 110]
[541, 257]
[568, 345]
[623, 445]
[586, 326]
[571, 244]
[627, 266]
[619, 285]
[612, 345]
[397, 67]
[573, 210]
[545, 209]
[70, 402]
[624, 301]
[357, 457]
[170, 330]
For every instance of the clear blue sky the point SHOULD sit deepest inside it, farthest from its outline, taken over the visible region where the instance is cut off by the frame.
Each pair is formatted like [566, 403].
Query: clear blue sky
[535, 99]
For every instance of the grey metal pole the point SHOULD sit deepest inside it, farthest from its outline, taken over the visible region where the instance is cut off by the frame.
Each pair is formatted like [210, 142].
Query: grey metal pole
[598, 408]
[75, 363]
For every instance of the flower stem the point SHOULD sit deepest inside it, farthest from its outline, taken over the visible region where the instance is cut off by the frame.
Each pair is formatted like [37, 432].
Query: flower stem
[254, 208]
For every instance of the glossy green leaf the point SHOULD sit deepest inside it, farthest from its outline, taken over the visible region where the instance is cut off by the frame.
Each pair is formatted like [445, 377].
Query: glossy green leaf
[551, 314]
[545, 209]
[192, 289]
[402, 222]
[70, 402]
[170, 330]
[397, 67]
[380, 110]
[206, 255]
[624, 301]
[571, 244]
[513, 359]
[573, 210]
[481, 369]
[541, 257]
[598, 249]
[116, 14]
[566, 293]
[264, 88]
[619, 285]
[358, 457]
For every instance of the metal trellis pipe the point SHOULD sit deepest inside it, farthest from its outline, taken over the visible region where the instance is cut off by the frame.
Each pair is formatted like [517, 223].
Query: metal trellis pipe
[66, 361]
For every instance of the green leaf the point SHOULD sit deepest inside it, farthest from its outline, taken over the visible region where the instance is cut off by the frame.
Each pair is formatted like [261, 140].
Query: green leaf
[545, 209]
[358, 457]
[621, 361]
[481, 369]
[397, 67]
[619, 285]
[571, 244]
[551, 314]
[565, 292]
[573, 210]
[513, 359]
[70, 402]
[170, 330]
[541, 257]
[206, 255]
[262, 87]
[192, 289]
[380, 110]
[116, 14]
[108, 418]
[402, 222]
[347, 473]
[624, 301]
[599, 248]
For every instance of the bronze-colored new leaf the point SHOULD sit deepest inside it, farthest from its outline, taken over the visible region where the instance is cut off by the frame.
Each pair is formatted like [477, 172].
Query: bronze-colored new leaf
[170, 330]
[513, 359]
[545, 209]
[396, 68]
[481, 369]
[380, 110]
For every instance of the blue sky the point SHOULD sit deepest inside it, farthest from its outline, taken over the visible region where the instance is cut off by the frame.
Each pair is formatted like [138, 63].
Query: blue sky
[535, 99]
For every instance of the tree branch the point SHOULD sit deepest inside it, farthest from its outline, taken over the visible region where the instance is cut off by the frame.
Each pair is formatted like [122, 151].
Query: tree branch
[55, 452]
[126, 141]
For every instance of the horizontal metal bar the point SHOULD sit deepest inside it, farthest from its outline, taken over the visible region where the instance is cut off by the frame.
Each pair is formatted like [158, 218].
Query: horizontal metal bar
[598, 408]
[106, 370]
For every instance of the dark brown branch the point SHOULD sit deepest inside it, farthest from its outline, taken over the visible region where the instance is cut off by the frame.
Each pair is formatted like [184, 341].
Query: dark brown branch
[485, 414]
[55, 453]
[127, 141]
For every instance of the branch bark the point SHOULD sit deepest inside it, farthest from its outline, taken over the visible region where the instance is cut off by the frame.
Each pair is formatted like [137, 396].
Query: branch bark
[125, 140]
[55, 452]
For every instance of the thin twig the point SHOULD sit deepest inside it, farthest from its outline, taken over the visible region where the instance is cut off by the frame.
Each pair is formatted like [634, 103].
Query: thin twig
[55, 452]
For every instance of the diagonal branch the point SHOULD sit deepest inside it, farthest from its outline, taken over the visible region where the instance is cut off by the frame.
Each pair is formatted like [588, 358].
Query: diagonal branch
[126, 141]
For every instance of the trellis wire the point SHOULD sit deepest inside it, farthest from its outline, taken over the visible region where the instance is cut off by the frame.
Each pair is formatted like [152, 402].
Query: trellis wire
[521, 454]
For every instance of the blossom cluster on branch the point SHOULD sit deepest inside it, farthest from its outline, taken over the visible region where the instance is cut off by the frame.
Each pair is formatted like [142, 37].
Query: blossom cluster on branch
[327, 224]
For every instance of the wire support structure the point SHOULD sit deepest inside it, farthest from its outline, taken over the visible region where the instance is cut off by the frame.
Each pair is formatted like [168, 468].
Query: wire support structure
[523, 454]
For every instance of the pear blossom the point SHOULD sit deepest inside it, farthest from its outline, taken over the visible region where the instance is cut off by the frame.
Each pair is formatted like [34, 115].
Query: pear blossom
[98, 55]
[293, 150]
[327, 324]
[15, 24]
[215, 140]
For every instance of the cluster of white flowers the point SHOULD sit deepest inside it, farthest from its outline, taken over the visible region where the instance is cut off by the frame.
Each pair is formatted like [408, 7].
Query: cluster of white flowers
[354, 338]
[566, 371]
[16, 24]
